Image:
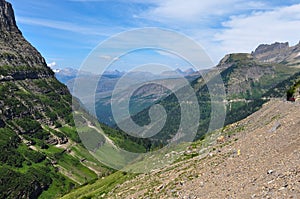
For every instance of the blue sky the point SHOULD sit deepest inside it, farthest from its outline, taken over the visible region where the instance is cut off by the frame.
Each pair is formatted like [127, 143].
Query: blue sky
[66, 31]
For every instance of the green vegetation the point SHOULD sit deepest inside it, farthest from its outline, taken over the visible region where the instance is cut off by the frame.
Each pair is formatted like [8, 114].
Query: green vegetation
[26, 173]
[33, 111]
[28, 125]
[100, 187]
[34, 156]
[71, 133]
[28, 185]
[9, 142]
[292, 91]
[8, 70]
[125, 141]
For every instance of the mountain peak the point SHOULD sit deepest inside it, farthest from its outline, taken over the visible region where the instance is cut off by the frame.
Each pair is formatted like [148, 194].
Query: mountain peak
[275, 52]
[278, 53]
[277, 46]
[7, 18]
[16, 53]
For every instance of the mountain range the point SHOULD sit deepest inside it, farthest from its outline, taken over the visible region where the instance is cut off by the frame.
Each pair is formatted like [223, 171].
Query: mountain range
[142, 98]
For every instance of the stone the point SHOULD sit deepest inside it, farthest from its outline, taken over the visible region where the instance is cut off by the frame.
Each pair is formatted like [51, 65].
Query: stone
[270, 171]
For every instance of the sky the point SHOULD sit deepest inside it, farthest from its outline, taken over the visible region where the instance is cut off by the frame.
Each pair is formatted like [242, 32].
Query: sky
[66, 31]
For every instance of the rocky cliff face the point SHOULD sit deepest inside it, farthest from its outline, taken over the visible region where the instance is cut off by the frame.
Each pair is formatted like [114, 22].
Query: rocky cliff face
[15, 51]
[7, 18]
[278, 53]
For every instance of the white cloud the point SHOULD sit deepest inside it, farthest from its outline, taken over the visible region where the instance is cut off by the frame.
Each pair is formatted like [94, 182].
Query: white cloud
[221, 27]
[174, 11]
[244, 33]
[52, 64]
[201, 20]
[106, 57]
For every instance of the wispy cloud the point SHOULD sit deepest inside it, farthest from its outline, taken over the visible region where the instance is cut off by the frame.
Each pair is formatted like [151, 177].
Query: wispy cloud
[195, 11]
[71, 27]
[243, 33]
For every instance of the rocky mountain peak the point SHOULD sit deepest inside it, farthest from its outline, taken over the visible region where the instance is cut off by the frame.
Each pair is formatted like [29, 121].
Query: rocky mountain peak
[7, 18]
[18, 58]
[276, 52]
[263, 48]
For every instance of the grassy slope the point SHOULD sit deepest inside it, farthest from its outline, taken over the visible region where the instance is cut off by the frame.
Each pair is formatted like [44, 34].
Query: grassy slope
[38, 109]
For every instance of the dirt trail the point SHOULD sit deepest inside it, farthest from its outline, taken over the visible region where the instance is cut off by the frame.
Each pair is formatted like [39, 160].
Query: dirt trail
[107, 139]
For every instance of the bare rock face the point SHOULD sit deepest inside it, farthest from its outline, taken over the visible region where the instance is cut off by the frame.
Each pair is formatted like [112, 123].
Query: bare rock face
[7, 18]
[277, 53]
[15, 51]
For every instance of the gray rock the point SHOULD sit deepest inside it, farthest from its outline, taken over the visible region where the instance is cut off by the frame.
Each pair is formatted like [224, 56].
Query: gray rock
[276, 126]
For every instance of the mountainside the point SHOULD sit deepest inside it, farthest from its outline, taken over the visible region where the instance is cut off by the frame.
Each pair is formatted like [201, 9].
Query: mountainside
[257, 157]
[41, 154]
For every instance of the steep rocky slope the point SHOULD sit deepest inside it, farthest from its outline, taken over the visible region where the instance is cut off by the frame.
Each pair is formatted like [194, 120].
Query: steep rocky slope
[258, 157]
[16, 51]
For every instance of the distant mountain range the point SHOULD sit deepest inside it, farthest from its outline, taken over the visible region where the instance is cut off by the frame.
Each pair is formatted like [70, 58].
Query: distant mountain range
[109, 79]
[65, 75]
